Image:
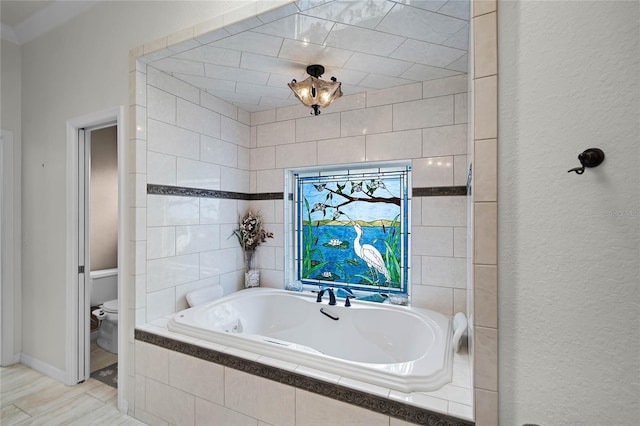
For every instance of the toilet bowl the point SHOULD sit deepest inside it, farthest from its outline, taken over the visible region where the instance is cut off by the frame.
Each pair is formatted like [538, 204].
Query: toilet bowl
[108, 331]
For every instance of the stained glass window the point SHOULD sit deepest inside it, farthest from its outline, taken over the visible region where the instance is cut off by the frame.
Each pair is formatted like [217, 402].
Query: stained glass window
[351, 228]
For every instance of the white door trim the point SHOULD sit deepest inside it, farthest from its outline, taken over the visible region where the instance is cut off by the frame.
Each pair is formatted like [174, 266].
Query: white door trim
[73, 319]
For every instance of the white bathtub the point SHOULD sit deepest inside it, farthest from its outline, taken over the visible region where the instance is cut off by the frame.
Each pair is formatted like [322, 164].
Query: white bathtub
[401, 348]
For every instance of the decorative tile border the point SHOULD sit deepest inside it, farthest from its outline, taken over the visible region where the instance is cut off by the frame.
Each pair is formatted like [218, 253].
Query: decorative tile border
[437, 191]
[375, 403]
[211, 193]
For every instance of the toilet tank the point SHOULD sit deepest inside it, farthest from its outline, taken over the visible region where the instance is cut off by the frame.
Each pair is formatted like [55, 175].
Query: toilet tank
[104, 285]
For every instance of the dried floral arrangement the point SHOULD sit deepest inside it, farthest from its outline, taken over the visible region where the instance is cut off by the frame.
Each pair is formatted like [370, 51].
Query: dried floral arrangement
[251, 232]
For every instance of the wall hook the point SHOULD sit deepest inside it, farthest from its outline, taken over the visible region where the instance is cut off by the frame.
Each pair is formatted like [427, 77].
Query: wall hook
[591, 157]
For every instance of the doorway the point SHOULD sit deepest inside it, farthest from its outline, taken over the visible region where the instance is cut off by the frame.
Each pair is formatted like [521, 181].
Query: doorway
[99, 206]
[86, 135]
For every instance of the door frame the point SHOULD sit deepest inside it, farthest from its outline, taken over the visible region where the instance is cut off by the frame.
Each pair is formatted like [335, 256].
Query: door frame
[77, 314]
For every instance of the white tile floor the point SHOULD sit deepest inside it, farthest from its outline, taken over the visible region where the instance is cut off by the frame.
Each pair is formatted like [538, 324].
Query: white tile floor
[30, 398]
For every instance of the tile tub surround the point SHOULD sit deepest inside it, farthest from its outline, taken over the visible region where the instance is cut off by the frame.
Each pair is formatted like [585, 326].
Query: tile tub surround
[205, 379]
[208, 161]
[248, 153]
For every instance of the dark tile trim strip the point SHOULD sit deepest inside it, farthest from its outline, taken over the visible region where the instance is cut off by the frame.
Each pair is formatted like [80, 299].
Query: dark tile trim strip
[375, 403]
[210, 193]
[439, 191]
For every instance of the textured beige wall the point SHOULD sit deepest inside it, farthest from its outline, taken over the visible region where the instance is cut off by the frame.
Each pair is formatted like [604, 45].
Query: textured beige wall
[104, 199]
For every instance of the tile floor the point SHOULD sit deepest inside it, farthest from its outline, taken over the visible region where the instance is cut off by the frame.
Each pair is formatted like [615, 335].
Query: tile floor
[31, 398]
[101, 358]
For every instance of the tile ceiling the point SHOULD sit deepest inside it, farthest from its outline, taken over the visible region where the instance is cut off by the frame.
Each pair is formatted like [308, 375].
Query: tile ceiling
[365, 44]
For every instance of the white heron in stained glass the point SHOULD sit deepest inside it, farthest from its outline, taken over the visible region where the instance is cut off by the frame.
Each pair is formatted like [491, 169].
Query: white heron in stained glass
[369, 254]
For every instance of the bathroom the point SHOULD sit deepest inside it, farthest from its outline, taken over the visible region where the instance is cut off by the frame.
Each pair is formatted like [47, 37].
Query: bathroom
[537, 225]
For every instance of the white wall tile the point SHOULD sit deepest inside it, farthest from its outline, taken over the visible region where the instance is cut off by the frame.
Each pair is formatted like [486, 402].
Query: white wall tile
[439, 299]
[444, 211]
[276, 133]
[152, 361]
[243, 158]
[138, 219]
[270, 180]
[170, 404]
[172, 85]
[444, 271]
[444, 141]
[324, 126]
[432, 241]
[332, 412]
[198, 377]
[161, 242]
[423, 113]
[263, 117]
[196, 238]
[341, 150]
[257, 397]
[217, 262]
[197, 174]
[460, 170]
[296, 155]
[216, 151]
[208, 413]
[366, 121]
[160, 304]
[244, 117]
[262, 158]
[460, 108]
[198, 119]
[394, 145]
[218, 105]
[235, 180]
[164, 210]
[137, 160]
[234, 131]
[429, 172]
[171, 271]
[161, 168]
[460, 242]
[408, 92]
[173, 140]
[161, 105]
[445, 86]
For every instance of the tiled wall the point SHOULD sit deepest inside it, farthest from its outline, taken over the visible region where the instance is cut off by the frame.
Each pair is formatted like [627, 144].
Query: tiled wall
[485, 273]
[198, 141]
[174, 388]
[422, 122]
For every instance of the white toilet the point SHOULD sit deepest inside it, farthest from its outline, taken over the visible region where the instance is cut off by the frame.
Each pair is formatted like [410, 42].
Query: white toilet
[108, 331]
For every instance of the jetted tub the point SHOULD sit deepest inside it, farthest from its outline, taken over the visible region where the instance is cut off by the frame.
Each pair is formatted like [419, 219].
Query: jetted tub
[397, 347]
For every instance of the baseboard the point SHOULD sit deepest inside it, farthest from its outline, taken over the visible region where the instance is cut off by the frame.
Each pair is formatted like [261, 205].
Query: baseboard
[14, 360]
[43, 367]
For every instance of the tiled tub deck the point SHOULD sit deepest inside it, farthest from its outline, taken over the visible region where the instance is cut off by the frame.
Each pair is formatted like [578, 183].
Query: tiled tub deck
[183, 380]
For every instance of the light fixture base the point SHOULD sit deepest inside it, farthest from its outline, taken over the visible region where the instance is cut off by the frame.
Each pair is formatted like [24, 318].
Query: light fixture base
[315, 70]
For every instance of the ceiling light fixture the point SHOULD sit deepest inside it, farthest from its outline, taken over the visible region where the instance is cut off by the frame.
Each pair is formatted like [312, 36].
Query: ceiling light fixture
[316, 93]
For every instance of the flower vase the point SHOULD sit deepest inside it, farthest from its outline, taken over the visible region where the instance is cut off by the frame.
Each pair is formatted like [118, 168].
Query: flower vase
[251, 274]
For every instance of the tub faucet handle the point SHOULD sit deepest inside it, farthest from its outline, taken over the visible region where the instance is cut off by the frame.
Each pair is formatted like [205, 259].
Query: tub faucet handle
[347, 303]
